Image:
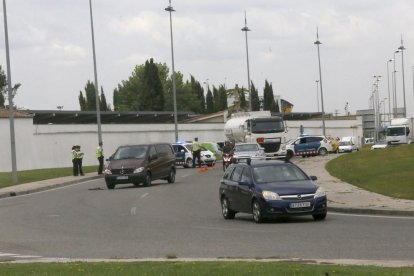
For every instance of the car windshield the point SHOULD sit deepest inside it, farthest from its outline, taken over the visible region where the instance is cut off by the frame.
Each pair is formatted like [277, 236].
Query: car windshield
[246, 147]
[395, 131]
[131, 152]
[269, 126]
[278, 173]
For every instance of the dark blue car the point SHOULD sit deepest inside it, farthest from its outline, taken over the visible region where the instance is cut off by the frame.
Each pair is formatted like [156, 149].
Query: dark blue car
[270, 189]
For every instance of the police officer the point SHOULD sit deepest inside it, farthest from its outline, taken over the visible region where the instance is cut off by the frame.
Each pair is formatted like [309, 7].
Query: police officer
[79, 156]
[100, 157]
[74, 162]
[196, 148]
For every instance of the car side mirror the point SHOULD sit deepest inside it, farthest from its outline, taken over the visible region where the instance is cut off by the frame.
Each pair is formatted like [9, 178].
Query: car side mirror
[245, 183]
[313, 178]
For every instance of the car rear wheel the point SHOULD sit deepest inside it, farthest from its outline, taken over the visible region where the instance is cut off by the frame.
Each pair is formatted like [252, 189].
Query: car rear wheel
[257, 212]
[289, 154]
[319, 216]
[171, 176]
[225, 209]
[323, 151]
[147, 181]
[188, 163]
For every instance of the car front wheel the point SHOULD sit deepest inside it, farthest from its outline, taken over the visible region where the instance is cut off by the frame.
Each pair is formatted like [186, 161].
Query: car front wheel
[171, 177]
[319, 216]
[147, 181]
[110, 186]
[257, 212]
[225, 209]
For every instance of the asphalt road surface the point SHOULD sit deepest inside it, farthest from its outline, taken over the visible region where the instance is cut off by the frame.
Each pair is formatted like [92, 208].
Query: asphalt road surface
[183, 220]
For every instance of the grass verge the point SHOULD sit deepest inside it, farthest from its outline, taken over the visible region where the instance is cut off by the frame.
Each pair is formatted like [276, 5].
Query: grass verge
[388, 171]
[196, 268]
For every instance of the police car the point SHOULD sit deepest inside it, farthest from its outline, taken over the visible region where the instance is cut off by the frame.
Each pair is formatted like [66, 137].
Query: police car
[308, 145]
[184, 155]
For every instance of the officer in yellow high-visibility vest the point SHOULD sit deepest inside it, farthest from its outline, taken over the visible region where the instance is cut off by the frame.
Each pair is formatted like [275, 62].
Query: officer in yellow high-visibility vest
[100, 157]
[74, 162]
[79, 157]
[196, 148]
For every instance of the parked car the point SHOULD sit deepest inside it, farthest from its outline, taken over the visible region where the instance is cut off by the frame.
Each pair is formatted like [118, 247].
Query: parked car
[347, 146]
[248, 150]
[270, 189]
[184, 155]
[379, 145]
[308, 145]
[140, 164]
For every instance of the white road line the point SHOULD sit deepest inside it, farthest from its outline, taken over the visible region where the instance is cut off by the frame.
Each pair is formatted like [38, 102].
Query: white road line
[27, 256]
[133, 210]
[144, 195]
[7, 254]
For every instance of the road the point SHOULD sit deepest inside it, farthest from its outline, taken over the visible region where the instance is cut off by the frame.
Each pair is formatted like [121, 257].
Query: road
[183, 220]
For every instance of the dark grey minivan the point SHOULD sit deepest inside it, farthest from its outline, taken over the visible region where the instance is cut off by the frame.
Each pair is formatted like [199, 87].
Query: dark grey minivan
[141, 164]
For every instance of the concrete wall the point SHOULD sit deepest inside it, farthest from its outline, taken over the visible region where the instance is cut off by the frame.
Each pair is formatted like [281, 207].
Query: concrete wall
[49, 146]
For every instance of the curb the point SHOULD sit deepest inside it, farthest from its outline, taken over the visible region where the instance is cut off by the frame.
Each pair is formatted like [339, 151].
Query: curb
[367, 211]
[47, 187]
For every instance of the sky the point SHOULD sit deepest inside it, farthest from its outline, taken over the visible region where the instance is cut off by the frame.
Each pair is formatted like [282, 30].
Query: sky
[51, 48]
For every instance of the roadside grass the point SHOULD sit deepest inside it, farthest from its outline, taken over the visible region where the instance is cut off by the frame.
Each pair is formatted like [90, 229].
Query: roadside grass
[196, 268]
[388, 171]
[38, 175]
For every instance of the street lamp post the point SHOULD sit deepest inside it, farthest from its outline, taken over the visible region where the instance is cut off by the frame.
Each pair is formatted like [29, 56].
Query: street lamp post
[246, 29]
[389, 94]
[395, 112]
[377, 106]
[170, 9]
[401, 48]
[98, 109]
[317, 94]
[10, 96]
[317, 43]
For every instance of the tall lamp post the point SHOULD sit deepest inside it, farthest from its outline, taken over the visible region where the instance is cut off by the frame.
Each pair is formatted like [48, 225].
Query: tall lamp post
[10, 96]
[170, 9]
[394, 79]
[401, 48]
[246, 29]
[377, 105]
[317, 43]
[98, 109]
[317, 94]
[389, 94]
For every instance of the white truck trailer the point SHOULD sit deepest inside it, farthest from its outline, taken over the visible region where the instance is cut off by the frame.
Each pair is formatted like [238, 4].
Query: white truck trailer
[258, 126]
[400, 131]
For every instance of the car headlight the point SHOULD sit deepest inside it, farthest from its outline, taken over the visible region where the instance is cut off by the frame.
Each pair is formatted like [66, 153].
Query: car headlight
[320, 192]
[107, 171]
[139, 170]
[270, 195]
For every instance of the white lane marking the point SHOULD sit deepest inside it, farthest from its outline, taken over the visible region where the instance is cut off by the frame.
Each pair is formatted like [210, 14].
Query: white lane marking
[144, 195]
[27, 256]
[133, 210]
[370, 216]
[7, 254]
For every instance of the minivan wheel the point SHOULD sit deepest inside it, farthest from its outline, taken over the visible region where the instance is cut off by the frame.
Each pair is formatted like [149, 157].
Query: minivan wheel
[257, 212]
[323, 151]
[171, 177]
[147, 181]
[225, 209]
[110, 186]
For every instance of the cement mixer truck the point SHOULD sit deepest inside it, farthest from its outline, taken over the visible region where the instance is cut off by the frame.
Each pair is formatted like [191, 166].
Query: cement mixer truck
[258, 126]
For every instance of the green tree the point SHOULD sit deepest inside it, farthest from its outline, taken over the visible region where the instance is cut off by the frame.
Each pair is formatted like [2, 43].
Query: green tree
[216, 99]
[103, 106]
[268, 98]
[198, 90]
[222, 97]
[242, 96]
[209, 102]
[255, 98]
[3, 85]
[151, 97]
[87, 100]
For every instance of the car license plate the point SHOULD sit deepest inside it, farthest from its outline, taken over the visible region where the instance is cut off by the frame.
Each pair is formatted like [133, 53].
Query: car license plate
[300, 204]
[122, 177]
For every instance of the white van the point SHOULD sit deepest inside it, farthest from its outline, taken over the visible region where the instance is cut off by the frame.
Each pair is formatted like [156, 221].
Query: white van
[348, 144]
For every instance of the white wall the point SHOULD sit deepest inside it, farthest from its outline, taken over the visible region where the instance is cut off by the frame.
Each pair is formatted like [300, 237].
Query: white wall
[49, 146]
